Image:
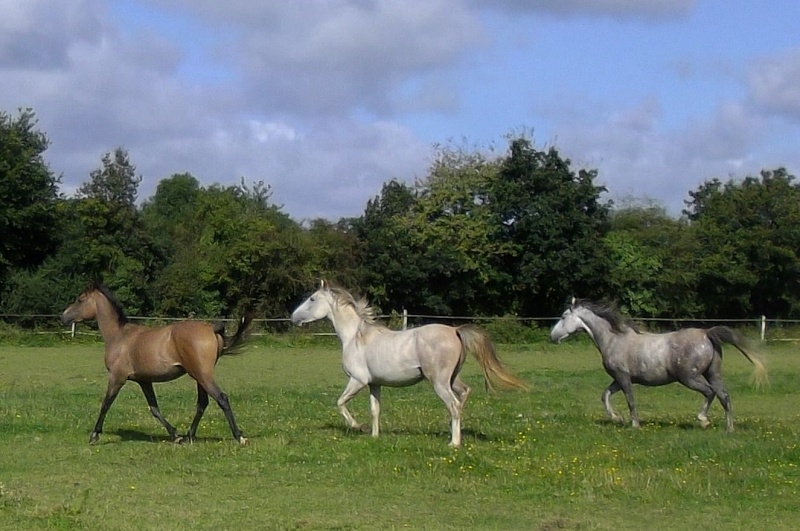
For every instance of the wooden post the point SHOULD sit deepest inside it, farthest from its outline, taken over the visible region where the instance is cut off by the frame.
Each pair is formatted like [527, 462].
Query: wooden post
[763, 327]
[405, 319]
[74, 326]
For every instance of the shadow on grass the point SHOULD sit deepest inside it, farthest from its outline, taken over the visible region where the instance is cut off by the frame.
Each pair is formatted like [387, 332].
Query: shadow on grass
[351, 432]
[680, 425]
[127, 435]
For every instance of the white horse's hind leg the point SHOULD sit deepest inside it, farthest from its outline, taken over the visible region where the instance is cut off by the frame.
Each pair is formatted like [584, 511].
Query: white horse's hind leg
[353, 387]
[462, 391]
[375, 408]
[454, 405]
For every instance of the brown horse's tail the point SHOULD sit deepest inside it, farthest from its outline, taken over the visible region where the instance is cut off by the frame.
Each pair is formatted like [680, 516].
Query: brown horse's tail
[475, 341]
[722, 334]
[233, 344]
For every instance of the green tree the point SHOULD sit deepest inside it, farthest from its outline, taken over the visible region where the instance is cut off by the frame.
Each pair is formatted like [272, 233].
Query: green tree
[456, 237]
[555, 221]
[105, 237]
[391, 274]
[749, 232]
[235, 251]
[652, 256]
[28, 195]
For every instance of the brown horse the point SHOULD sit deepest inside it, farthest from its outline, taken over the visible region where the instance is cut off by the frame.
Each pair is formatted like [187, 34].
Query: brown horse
[156, 354]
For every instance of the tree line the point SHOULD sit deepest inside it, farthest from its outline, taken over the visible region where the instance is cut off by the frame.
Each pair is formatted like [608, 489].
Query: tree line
[514, 234]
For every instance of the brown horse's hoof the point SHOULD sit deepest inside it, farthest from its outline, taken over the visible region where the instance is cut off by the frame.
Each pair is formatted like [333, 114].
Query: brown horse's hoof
[178, 440]
[94, 437]
[243, 441]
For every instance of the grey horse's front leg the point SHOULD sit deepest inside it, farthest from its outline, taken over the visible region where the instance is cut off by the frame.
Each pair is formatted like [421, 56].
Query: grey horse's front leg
[610, 390]
[627, 388]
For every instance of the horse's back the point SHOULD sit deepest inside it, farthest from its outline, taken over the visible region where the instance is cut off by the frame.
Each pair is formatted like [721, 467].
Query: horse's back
[662, 358]
[399, 358]
[166, 352]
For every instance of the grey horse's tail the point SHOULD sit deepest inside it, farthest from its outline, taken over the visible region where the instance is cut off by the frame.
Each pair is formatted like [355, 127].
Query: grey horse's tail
[233, 344]
[722, 334]
[474, 340]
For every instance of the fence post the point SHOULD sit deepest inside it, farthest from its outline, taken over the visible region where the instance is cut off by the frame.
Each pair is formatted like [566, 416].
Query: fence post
[763, 328]
[74, 325]
[405, 319]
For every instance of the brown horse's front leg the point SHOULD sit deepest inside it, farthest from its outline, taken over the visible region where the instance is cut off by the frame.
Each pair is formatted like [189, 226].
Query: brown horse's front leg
[150, 396]
[114, 387]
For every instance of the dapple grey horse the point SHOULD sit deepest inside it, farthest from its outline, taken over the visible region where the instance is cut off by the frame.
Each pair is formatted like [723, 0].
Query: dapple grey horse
[692, 356]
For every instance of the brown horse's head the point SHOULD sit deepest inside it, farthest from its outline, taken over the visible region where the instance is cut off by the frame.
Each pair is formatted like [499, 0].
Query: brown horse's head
[85, 306]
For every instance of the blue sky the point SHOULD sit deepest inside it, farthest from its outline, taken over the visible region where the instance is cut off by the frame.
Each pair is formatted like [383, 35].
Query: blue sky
[325, 100]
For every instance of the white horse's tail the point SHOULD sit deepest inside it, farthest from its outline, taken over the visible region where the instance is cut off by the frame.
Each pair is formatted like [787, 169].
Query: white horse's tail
[722, 334]
[474, 340]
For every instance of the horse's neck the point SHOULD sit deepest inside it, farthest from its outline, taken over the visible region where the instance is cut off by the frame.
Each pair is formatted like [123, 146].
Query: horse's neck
[601, 332]
[107, 320]
[346, 322]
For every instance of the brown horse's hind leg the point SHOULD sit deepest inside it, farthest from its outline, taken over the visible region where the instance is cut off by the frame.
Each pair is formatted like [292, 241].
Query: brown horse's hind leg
[114, 387]
[222, 399]
[150, 396]
[202, 403]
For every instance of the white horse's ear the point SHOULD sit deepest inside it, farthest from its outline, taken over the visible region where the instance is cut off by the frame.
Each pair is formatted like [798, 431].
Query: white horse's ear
[323, 284]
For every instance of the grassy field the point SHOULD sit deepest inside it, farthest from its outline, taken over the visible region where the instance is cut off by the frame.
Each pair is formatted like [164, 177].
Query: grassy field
[545, 459]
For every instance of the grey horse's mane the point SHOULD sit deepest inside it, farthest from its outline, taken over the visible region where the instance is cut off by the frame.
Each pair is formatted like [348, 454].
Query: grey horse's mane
[608, 310]
[360, 305]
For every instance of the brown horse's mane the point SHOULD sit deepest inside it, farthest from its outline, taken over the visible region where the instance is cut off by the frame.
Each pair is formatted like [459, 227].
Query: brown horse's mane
[122, 319]
[360, 305]
[608, 310]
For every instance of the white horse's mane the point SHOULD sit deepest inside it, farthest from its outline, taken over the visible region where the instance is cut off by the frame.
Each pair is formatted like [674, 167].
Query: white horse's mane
[361, 306]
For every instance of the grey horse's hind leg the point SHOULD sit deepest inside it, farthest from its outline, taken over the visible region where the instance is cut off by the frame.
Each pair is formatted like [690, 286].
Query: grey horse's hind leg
[699, 384]
[715, 380]
[606, 398]
[627, 387]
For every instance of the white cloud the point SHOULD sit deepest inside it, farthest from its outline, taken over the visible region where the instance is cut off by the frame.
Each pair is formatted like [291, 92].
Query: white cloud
[774, 84]
[627, 9]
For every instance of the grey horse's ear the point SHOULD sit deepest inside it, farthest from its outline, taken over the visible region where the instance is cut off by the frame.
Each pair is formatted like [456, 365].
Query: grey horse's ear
[573, 301]
[323, 284]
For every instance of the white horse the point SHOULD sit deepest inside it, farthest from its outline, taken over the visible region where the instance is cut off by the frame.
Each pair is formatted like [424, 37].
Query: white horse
[373, 355]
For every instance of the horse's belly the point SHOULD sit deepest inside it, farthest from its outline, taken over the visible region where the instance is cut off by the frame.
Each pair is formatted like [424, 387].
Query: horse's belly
[399, 377]
[160, 374]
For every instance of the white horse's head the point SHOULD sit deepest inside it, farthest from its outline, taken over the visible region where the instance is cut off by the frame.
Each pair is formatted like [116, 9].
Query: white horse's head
[569, 323]
[318, 306]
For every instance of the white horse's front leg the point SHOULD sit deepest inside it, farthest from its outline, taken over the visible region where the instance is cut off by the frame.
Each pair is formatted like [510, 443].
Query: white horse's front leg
[352, 389]
[375, 408]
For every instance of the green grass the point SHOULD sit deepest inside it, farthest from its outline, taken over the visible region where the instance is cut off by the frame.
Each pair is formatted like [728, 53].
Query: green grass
[545, 459]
